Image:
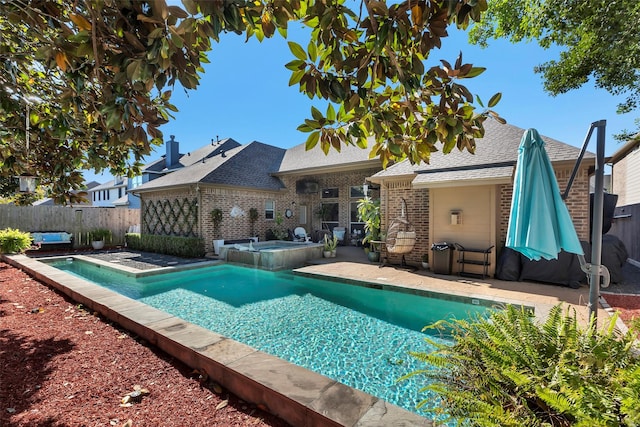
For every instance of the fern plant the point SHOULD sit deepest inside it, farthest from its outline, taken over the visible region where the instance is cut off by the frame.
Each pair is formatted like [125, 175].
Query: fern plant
[508, 370]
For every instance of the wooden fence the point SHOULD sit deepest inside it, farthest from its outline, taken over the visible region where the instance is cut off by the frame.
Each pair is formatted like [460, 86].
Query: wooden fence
[76, 220]
[626, 227]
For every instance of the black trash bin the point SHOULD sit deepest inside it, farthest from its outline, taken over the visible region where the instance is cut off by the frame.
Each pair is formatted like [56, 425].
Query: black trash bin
[442, 258]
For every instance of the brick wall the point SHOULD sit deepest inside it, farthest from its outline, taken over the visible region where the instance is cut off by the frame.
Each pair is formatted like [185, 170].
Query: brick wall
[417, 202]
[225, 199]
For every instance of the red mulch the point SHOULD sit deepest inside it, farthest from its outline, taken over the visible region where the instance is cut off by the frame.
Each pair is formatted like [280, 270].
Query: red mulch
[63, 366]
[627, 305]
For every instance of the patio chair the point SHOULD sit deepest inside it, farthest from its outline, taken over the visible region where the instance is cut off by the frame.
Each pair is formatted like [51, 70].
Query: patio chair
[300, 235]
[401, 235]
[339, 233]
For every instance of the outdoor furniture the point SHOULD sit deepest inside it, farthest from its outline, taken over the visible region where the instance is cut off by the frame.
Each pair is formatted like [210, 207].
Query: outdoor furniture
[401, 235]
[473, 256]
[339, 233]
[52, 239]
[300, 235]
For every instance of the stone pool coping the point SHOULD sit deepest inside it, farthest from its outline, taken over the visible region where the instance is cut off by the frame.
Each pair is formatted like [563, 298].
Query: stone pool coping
[297, 395]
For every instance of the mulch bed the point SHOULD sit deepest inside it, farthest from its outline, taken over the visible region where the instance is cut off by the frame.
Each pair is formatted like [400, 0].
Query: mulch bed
[627, 305]
[61, 365]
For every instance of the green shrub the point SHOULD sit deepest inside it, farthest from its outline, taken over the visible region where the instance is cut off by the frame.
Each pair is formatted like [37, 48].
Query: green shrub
[187, 247]
[507, 370]
[133, 241]
[13, 241]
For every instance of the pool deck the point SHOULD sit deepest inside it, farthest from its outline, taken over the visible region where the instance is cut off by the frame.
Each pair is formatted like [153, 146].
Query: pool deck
[297, 395]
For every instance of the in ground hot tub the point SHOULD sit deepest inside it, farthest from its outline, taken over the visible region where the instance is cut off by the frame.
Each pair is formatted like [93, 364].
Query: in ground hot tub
[272, 254]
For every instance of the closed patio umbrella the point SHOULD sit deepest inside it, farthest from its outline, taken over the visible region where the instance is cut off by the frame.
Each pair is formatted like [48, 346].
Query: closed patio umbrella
[539, 223]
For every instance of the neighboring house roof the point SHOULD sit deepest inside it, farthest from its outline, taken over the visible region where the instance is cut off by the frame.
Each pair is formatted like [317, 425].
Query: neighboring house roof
[624, 151]
[494, 160]
[114, 183]
[47, 201]
[250, 165]
[122, 201]
[192, 157]
[298, 160]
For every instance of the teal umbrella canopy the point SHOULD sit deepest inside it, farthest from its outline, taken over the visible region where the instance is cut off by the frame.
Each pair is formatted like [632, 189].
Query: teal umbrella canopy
[539, 223]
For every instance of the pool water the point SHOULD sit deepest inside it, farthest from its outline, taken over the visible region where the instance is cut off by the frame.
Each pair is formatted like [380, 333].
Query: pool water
[357, 335]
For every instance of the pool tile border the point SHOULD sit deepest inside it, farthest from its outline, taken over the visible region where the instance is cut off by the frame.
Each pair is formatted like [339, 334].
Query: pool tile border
[299, 396]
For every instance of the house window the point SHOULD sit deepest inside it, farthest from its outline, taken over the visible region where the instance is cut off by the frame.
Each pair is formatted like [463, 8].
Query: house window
[357, 192]
[269, 209]
[136, 181]
[356, 226]
[119, 192]
[330, 193]
[302, 214]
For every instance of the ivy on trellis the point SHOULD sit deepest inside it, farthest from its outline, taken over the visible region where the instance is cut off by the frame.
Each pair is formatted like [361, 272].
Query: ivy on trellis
[177, 217]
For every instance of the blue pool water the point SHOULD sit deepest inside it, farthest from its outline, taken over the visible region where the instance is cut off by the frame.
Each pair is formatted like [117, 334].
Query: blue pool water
[357, 335]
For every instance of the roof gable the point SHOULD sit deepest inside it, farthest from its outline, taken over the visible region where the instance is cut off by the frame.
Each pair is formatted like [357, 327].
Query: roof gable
[498, 147]
[204, 152]
[298, 159]
[250, 165]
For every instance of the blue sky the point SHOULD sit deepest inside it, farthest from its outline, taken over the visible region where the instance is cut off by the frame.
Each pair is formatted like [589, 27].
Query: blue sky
[244, 95]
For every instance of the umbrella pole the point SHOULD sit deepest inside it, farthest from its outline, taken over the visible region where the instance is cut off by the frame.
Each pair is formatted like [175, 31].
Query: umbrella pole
[596, 231]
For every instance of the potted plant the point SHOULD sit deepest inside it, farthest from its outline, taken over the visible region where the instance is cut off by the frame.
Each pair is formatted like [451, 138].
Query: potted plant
[216, 219]
[369, 213]
[253, 217]
[330, 245]
[322, 213]
[425, 261]
[98, 236]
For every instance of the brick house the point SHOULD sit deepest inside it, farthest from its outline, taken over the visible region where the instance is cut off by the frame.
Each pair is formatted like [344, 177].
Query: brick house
[296, 185]
[478, 188]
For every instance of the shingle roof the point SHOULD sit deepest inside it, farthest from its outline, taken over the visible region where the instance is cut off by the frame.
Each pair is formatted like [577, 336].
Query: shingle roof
[110, 184]
[498, 147]
[248, 165]
[204, 152]
[298, 159]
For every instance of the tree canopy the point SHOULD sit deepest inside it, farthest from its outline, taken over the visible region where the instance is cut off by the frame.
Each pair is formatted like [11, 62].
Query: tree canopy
[600, 41]
[97, 76]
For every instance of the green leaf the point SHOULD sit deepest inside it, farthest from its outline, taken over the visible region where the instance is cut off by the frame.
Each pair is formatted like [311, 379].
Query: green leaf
[312, 140]
[474, 72]
[317, 115]
[331, 113]
[295, 78]
[297, 51]
[313, 51]
[295, 65]
[494, 100]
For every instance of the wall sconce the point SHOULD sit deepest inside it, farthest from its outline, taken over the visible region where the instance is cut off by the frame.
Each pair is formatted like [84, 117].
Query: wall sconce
[365, 188]
[456, 217]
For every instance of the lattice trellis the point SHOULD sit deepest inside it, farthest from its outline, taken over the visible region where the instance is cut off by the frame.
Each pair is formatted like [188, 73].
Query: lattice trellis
[177, 217]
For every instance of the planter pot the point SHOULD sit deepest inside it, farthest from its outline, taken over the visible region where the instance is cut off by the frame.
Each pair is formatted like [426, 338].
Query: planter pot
[326, 254]
[373, 256]
[97, 244]
[425, 265]
[216, 246]
[333, 253]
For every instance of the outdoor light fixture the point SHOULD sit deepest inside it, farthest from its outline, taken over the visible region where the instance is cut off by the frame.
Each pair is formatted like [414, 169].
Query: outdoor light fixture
[456, 217]
[27, 183]
[365, 188]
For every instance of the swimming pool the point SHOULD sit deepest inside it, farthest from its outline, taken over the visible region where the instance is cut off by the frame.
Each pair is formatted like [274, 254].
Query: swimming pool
[358, 335]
